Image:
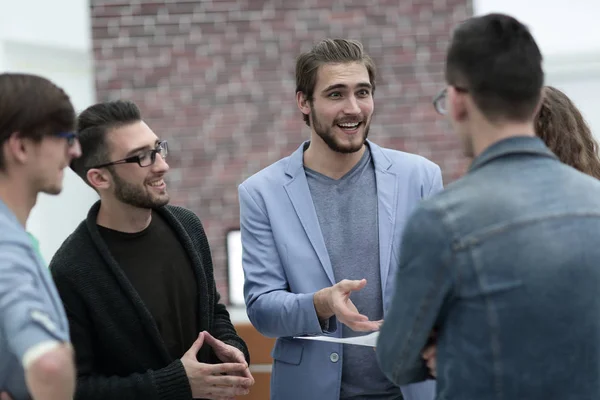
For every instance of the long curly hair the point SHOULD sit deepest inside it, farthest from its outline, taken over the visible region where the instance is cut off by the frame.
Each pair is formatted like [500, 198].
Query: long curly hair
[564, 130]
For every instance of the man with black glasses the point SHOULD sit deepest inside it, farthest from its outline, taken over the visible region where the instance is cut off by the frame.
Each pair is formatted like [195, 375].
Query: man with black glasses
[136, 277]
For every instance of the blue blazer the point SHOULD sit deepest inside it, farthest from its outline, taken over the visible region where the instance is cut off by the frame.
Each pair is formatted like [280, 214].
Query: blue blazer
[285, 262]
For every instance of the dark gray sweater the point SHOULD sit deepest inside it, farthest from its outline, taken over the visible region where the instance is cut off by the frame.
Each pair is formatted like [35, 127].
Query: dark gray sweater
[119, 350]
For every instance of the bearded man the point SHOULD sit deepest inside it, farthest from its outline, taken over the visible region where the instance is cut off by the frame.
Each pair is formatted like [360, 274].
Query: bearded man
[136, 277]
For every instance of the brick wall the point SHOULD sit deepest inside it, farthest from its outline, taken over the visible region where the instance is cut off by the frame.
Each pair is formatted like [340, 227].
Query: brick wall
[216, 78]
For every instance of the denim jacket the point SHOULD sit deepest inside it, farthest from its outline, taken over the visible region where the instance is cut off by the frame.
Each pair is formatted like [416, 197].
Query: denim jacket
[504, 266]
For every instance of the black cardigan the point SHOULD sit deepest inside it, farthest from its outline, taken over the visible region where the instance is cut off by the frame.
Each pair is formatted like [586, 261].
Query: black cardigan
[119, 351]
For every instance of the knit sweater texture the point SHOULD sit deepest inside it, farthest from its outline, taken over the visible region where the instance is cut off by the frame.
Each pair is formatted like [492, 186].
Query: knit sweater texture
[119, 351]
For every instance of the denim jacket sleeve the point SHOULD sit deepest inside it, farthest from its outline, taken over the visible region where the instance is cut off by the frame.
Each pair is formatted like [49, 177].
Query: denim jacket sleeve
[423, 285]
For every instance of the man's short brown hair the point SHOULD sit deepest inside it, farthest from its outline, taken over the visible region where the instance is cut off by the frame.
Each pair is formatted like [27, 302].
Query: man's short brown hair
[32, 107]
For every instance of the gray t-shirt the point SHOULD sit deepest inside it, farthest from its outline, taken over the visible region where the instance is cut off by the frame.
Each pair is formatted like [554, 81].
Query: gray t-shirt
[347, 213]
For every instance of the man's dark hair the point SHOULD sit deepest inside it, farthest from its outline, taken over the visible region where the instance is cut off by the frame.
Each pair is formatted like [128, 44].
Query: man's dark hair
[92, 126]
[32, 107]
[495, 58]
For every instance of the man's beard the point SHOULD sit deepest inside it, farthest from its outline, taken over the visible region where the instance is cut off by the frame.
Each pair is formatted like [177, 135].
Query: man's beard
[330, 139]
[136, 196]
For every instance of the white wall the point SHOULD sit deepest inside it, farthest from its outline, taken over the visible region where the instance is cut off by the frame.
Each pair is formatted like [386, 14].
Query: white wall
[58, 23]
[568, 34]
[52, 39]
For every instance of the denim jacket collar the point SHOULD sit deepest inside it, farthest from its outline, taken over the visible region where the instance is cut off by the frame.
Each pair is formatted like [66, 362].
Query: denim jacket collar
[513, 145]
[5, 210]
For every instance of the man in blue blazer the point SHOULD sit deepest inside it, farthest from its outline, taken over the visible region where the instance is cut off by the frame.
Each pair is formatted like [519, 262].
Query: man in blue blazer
[321, 235]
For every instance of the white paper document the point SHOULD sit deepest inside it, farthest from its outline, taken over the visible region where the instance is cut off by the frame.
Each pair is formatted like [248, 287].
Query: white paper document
[369, 340]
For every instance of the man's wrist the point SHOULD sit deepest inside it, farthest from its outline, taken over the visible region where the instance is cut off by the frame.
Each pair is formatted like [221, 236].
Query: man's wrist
[321, 302]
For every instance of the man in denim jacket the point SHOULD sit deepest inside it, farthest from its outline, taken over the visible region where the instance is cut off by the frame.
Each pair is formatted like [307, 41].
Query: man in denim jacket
[501, 270]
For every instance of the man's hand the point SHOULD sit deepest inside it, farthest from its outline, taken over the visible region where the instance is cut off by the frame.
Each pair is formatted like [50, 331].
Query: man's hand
[429, 357]
[5, 396]
[228, 354]
[214, 382]
[335, 300]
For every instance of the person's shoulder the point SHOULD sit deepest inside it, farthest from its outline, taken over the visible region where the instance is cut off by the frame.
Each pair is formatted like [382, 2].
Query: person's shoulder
[76, 249]
[402, 159]
[185, 216]
[16, 247]
[180, 211]
[11, 231]
[407, 167]
[272, 174]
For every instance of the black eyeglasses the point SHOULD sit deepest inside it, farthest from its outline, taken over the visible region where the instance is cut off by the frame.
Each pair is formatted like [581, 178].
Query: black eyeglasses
[439, 101]
[145, 159]
[70, 136]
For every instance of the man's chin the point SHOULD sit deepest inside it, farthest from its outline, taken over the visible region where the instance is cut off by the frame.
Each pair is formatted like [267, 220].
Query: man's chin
[161, 201]
[52, 190]
[347, 147]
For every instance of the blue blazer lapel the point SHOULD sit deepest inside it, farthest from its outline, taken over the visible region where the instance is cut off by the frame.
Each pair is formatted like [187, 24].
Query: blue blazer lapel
[299, 194]
[387, 204]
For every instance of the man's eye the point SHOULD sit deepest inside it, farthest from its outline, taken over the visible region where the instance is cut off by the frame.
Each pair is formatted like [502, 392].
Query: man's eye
[143, 156]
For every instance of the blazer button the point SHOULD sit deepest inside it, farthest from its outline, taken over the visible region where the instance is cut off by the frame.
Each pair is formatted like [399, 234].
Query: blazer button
[334, 357]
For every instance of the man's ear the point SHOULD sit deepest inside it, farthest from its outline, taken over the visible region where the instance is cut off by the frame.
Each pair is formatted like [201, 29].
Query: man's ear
[18, 148]
[303, 103]
[98, 178]
[457, 104]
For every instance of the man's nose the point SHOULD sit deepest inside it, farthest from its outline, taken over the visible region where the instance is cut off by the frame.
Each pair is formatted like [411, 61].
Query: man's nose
[75, 150]
[160, 164]
[351, 106]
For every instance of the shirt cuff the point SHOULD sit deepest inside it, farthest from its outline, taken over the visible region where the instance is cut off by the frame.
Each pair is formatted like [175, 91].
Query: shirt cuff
[37, 351]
